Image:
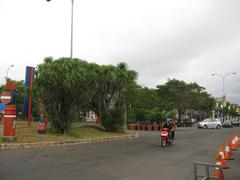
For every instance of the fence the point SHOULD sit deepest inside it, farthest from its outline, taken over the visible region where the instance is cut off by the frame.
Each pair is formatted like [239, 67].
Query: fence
[207, 175]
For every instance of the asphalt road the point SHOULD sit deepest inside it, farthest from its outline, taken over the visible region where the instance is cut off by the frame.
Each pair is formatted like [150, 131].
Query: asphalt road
[135, 159]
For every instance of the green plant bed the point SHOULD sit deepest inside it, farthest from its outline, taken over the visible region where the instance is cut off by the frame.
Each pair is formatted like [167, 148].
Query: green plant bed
[30, 135]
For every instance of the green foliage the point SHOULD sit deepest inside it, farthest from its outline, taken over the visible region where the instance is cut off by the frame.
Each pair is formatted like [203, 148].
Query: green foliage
[113, 120]
[20, 94]
[166, 101]
[63, 85]
[72, 87]
[110, 83]
[143, 104]
[182, 96]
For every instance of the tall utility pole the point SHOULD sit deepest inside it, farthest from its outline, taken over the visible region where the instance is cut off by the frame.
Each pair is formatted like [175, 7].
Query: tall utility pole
[71, 41]
[71, 49]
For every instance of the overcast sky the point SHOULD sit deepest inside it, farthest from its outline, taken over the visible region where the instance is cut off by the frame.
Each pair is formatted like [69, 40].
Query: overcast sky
[160, 39]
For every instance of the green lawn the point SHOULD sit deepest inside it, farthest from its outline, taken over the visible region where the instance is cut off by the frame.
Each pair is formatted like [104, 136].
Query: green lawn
[30, 135]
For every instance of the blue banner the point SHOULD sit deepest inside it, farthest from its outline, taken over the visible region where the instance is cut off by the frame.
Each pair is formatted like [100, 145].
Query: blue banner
[28, 83]
[27, 77]
[2, 106]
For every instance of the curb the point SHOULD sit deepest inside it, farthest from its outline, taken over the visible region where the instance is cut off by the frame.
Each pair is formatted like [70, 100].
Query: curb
[64, 143]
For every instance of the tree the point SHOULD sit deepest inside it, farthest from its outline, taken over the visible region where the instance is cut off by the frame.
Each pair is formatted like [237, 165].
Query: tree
[20, 93]
[64, 86]
[182, 96]
[110, 83]
[71, 87]
[144, 104]
[174, 94]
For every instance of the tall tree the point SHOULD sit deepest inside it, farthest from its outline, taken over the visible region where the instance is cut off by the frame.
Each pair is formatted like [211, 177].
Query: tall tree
[110, 84]
[174, 93]
[63, 86]
[182, 96]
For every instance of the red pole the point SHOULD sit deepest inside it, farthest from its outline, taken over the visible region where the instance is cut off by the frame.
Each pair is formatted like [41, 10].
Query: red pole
[30, 97]
[29, 109]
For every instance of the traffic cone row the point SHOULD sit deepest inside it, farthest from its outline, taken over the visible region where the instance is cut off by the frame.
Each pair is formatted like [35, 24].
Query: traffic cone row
[227, 155]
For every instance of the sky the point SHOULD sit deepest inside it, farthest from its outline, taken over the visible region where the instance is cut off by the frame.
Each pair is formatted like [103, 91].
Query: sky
[160, 39]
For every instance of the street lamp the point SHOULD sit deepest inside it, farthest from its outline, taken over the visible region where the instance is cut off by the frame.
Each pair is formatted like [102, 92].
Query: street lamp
[8, 71]
[71, 42]
[223, 76]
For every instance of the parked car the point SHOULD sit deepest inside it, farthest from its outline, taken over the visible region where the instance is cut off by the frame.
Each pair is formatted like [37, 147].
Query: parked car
[227, 123]
[185, 123]
[235, 122]
[210, 123]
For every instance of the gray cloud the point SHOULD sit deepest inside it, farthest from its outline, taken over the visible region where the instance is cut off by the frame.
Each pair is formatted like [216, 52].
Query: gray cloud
[183, 39]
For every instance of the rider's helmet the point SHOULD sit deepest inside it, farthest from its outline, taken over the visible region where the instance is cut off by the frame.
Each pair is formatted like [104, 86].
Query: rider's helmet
[165, 123]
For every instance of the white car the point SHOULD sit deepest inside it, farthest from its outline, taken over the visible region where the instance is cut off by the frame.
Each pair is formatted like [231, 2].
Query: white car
[210, 123]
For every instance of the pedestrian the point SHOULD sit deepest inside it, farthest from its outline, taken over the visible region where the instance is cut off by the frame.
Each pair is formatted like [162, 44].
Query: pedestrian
[172, 125]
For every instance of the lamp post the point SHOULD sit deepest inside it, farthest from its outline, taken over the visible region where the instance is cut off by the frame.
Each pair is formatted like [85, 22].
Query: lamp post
[8, 71]
[223, 76]
[71, 41]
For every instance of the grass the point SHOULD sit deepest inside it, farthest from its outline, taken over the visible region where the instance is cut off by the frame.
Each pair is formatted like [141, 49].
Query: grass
[30, 135]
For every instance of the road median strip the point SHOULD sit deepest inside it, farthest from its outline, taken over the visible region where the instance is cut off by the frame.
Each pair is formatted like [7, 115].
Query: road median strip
[12, 146]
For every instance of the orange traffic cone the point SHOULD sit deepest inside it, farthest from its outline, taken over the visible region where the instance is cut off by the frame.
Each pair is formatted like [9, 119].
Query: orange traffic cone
[236, 139]
[234, 144]
[221, 151]
[223, 161]
[228, 153]
[217, 172]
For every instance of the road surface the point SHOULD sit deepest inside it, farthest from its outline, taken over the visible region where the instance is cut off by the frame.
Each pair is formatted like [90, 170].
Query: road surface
[134, 159]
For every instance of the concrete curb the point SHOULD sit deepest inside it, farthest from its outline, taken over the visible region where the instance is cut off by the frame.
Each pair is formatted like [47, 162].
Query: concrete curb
[13, 146]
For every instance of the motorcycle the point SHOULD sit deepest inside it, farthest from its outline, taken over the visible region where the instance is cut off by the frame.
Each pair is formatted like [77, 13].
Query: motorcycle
[165, 140]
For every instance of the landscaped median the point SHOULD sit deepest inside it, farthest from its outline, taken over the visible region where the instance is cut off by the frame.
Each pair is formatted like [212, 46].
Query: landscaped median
[29, 138]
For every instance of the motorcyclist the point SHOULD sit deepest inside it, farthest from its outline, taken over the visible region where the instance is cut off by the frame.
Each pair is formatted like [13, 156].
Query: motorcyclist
[167, 125]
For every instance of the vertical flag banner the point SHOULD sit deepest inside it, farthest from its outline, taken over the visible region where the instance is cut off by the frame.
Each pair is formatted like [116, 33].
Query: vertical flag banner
[27, 109]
